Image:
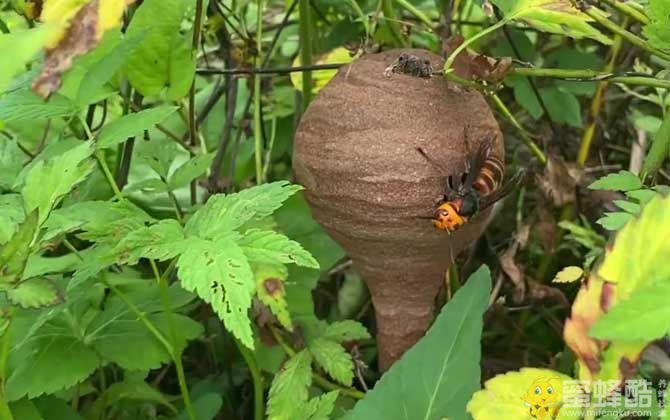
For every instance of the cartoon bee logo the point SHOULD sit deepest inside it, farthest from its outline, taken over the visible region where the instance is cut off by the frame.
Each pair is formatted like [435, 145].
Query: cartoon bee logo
[543, 398]
[479, 187]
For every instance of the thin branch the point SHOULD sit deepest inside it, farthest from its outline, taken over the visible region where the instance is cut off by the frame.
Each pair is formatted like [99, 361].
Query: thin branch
[275, 70]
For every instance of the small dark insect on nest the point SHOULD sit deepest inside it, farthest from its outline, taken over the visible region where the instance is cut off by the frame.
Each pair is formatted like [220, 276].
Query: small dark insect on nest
[410, 65]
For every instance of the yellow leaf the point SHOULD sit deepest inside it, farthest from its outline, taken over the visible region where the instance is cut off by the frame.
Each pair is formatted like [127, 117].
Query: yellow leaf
[110, 13]
[320, 78]
[569, 274]
[513, 394]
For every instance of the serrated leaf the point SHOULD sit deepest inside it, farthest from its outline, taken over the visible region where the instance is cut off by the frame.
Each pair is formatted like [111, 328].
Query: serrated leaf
[164, 58]
[321, 407]
[49, 181]
[24, 45]
[133, 390]
[219, 273]
[334, 359]
[563, 107]
[224, 213]
[643, 316]
[569, 275]
[162, 241]
[270, 290]
[621, 181]
[508, 395]
[553, 16]
[24, 105]
[422, 383]
[614, 220]
[190, 170]
[658, 29]
[269, 246]
[14, 254]
[642, 196]
[34, 293]
[347, 330]
[290, 387]
[660, 147]
[632, 208]
[11, 215]
[131, 125]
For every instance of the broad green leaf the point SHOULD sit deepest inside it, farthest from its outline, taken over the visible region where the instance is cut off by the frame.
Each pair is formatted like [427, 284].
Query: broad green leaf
[290, 388]
[148, 186]
[11, 163]
[553, 16]
[621, 181]
[54, 408]
[189, 171]
[11, 215]
[344, 331]
[14, 254]
[38, 265]
[206, 407]
[643, 196]
[49, 181]
[34, 293]
[163, 58]
[563, 107]
[660, 148]
[162, 241]
[24, 105]
[219, 273]
[658, 29]
[24, 46]
[509, 395]
[614, 220]
[569, 275]
[334, 359]
[272, 247]
[644, 316]
[630, 207]
[25, 410]
[224, 213]
[429, 384]
[270, 290]
[131, 125]
[130, 389]
[103, 70]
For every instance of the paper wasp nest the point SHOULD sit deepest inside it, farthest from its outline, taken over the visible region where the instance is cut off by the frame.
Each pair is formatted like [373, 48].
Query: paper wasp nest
[355, 153]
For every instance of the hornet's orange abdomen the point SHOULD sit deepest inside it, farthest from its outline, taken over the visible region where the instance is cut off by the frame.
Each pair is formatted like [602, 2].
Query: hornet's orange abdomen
[490, 176]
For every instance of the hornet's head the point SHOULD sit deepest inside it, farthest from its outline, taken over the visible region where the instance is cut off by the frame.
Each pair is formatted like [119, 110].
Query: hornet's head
[447, 217]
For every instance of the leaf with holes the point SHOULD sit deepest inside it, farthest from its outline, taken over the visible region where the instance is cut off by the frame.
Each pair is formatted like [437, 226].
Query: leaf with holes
[270, 290]
[219, 273]
[266, 245]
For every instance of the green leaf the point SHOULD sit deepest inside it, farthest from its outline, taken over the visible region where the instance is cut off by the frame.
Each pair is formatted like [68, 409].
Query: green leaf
[11, 215]
[321, 407]
[103, 70]
[219, 273]
[290, 388]
[642, 196]
[206, 407]
[429, 384]
[270, 290]
[24, 105]
[632, 208]
[14, 254]
[224, 213]
[569, 274]
[24, 46]
[164, 58]
[660, 147]
[563, 107]
[334, 359]
[148, 186]
[162, 241]
[269, 246]
[344, 331]
[190, 170]
[658, 29]
[49, 181]
[614, 220]
[11, 163]
[34, 293]
[131, 125]
[621, 181]
[644, 316]
[553, 16]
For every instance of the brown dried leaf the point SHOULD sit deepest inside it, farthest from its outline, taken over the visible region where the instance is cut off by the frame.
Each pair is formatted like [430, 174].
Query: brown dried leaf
[510, 267]
[474, 66]
[559, 181]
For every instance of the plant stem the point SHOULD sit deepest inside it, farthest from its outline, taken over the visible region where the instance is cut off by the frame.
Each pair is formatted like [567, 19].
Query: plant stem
[192, 125]
[176, 356]
[464, 45]
[258, 129]
[590, 76]
[5, 341]
[416, 12]
[599, 16]
[525, 136]
[320, 380]
[256, 377]
[99, 155]
[305, 50]
[628, 10]
[596, 104]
